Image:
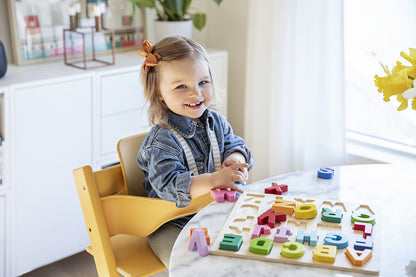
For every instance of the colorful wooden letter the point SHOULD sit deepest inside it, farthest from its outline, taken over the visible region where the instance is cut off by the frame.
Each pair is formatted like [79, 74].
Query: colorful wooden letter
[220, 194]
[292, 250]
[284, 206]
[367, 228]
[311, 238]
[261, 246]
[326, 173]
[271, 217]
[231, 242]
[276, 189]
[358, 258]
[282, 234]
[366, 243]
[205, 232]
[260, 229]
[306, 211]
[241, 186]
[362, 217]
[325, 253]
[329, 216]
[198, 241]
[336, 239]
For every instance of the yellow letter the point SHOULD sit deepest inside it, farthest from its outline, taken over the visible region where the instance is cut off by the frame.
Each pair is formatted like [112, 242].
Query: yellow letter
[325, 253]
[305, 211]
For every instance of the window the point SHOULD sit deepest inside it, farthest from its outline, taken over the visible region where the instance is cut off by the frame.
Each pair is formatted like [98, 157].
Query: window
[377, 31]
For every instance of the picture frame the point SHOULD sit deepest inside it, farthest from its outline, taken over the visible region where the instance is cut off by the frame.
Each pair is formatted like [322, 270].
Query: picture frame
[37, 27]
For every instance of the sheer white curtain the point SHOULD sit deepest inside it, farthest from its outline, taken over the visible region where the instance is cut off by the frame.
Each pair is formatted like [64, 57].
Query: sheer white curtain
[295, 85]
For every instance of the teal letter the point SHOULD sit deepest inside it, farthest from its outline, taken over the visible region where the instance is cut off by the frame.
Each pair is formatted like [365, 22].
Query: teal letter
[231, 242]
[329, 216]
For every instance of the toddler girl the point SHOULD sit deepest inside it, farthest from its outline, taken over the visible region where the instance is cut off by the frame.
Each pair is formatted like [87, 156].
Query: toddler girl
[190, 149]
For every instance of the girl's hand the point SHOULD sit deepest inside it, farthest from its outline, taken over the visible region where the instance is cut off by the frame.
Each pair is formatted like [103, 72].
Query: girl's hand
[228, 175]
[234, 158]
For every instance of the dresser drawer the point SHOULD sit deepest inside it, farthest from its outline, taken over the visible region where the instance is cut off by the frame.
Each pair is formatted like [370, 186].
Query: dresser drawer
[120, 92]
[118, 126]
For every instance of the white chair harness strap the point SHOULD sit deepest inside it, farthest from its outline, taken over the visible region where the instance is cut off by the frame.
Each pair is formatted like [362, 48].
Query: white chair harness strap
[215, 151]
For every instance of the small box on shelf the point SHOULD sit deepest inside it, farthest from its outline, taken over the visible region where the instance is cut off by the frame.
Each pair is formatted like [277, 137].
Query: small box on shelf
[82, 44]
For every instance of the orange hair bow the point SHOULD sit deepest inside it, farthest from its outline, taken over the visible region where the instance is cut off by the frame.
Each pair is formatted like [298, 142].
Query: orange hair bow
[151, 59]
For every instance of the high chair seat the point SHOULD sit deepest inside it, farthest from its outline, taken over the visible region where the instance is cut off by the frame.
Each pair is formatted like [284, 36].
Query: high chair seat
[131, 262]
[118, 224]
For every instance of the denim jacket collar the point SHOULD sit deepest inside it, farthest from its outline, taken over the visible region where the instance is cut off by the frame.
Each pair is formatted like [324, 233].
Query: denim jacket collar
[186, 127]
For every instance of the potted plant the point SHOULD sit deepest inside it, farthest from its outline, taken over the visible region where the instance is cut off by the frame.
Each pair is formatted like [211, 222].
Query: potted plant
[175, 12]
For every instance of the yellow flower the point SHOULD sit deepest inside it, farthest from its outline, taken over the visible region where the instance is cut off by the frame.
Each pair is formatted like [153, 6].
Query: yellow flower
[393, 84]
[399, 81]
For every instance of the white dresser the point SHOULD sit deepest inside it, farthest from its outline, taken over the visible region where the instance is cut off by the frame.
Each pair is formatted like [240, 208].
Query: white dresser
[56, 118]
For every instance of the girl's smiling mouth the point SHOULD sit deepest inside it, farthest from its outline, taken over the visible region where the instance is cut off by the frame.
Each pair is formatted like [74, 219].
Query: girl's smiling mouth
[195, 105]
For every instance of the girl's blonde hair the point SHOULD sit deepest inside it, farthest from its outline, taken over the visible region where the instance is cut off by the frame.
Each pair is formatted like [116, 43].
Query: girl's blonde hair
[170, 49]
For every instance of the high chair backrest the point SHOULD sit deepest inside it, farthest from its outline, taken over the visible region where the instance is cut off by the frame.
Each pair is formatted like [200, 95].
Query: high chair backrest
[127, 149]
[91, 188]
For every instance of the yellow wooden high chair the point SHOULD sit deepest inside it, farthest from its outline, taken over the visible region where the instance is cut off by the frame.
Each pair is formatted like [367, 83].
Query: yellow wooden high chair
[118, 223]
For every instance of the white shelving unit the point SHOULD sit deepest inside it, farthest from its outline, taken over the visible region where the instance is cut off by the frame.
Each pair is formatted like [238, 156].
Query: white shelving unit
[4, 189]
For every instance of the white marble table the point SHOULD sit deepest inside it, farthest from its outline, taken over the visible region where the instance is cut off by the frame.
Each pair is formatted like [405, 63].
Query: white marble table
[392, 187]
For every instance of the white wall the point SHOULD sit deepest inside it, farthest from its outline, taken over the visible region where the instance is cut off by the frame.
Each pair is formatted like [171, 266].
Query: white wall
[226, 29]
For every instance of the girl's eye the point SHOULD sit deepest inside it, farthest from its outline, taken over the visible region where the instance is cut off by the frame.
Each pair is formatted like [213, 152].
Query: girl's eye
[181, 86]
[203, 83]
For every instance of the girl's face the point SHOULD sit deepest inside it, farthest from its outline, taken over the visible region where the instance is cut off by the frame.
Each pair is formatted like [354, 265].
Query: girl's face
[186, 87]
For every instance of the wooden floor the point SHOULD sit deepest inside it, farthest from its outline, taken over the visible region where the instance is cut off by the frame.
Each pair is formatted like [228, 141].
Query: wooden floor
[78, 265]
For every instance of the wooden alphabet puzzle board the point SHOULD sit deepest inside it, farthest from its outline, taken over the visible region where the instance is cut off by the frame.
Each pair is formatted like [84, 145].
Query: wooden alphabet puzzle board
[243, 221]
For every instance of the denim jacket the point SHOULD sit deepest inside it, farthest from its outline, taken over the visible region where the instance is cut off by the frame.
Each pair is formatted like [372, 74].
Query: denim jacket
[163, 160]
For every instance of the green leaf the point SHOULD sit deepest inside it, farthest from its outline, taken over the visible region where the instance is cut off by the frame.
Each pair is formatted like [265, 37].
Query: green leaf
[218, 2]
[186, 5]
[172, 16]
[143, 3]
[174, 9]
[199, 20]
[133, 10]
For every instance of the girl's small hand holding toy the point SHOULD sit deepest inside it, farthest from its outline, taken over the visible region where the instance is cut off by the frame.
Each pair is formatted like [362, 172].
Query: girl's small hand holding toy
[221, 179]
[228, 176]
[236, 157]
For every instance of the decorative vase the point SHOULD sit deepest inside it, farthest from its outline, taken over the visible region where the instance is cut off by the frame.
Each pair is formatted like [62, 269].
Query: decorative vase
[164, 29]
[3, 60]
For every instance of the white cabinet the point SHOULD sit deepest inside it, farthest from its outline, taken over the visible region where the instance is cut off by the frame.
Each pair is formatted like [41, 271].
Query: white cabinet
[51, 135]
[4, 192]
[58, 118]
[2, 235]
